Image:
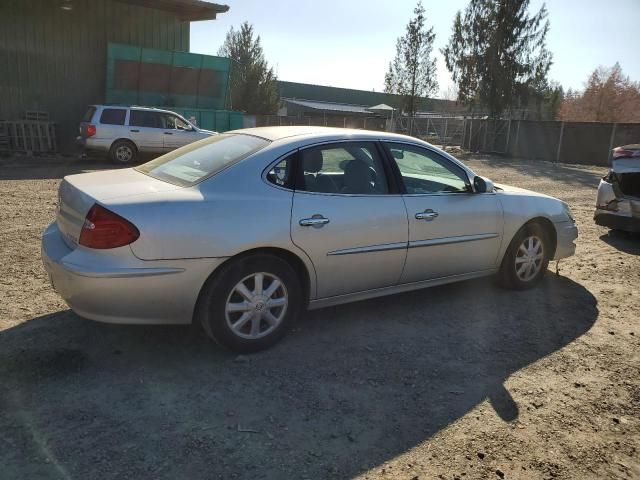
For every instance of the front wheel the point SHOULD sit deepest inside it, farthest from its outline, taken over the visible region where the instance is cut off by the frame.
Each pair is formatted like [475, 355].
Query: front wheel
[527, 258]
[251, 303]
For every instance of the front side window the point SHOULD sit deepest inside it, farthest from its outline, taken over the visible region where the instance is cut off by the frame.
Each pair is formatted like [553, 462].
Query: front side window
[343, 168]
[145, 118]
[196, 161]
[174, 123]
[426, 172]
[113, 116]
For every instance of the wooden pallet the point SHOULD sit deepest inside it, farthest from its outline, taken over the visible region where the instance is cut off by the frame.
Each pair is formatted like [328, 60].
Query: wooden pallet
[31, 136]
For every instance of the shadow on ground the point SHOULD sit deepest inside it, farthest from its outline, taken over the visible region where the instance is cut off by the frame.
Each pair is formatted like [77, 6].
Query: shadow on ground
[626, 242]
[351, 387]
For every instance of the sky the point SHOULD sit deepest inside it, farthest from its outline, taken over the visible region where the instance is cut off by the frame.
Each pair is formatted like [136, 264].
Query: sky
[349, 43]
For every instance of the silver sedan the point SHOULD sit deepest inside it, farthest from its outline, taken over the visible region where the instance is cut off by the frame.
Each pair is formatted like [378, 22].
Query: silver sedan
[244, 230]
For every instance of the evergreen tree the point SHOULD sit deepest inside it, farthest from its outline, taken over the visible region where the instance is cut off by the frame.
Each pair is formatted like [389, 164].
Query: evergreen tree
[497, 54]
[254, 87]
[412, 73]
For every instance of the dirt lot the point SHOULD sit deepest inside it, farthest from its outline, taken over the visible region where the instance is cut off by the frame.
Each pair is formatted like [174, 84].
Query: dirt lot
[463, 381]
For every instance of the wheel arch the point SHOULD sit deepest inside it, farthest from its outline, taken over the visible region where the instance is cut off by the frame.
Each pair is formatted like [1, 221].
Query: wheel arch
[126, 139]
[298, 264]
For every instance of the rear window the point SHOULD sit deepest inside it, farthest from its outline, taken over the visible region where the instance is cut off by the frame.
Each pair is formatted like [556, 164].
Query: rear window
[113, 116]
[89, 114]
[193, 163]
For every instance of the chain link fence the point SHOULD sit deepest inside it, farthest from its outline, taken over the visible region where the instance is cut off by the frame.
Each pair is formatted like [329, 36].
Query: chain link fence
[567, 142]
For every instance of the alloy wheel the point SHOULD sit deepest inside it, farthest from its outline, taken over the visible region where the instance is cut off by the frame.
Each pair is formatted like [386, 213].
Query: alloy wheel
[529, 258]
[256, 305]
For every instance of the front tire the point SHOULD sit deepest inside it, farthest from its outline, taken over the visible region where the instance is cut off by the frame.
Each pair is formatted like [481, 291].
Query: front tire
[527, 258]
[251, 303]
[123, 152]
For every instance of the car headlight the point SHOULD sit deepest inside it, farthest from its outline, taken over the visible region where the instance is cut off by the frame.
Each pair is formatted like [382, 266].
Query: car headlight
[567, 211]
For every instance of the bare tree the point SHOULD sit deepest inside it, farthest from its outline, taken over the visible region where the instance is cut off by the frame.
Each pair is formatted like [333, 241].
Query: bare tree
[609, 96]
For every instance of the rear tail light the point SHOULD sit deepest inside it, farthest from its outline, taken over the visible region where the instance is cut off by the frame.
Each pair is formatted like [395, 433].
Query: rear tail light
[91, 130]
[104, 229]
[621, 152]
[612, 206]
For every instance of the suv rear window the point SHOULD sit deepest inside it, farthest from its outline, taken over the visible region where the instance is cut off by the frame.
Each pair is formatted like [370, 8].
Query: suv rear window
[195, 162]
[113, 116]
[89, 114]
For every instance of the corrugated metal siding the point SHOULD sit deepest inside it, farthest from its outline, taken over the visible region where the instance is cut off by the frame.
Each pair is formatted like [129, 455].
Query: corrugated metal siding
[55, 60]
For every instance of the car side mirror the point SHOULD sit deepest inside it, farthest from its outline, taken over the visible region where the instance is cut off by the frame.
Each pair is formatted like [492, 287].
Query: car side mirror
[482, 184]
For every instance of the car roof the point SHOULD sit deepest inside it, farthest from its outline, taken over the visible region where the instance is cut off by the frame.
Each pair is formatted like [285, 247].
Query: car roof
[279, 133]
[137, 107]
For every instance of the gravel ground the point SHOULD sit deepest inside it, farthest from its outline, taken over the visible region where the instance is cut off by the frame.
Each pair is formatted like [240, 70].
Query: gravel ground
[462, 381]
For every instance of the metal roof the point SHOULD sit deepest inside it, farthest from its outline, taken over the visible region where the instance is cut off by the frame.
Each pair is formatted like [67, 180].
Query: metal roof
[191, 10]
[328, 106]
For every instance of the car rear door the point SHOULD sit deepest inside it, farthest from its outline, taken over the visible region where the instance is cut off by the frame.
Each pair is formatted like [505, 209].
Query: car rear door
[348, 217]
[452, 230]
[145, 130]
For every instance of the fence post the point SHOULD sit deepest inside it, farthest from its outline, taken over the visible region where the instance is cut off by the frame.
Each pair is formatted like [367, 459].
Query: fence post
[612, 139]
[464, 132]
[484, 140]
[515, 146]
[560, 142]
[506, 147]
[444, 145]
[470, 133]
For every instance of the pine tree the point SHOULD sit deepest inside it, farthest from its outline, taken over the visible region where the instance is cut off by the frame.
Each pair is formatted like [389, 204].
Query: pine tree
[254, 86]
[497, 54]
[412, 73]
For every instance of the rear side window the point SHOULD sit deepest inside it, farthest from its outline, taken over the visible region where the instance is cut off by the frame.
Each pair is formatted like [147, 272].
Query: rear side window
[197, 161]
[353, 168]
[113, 116]
[89, 114]
[143, 118]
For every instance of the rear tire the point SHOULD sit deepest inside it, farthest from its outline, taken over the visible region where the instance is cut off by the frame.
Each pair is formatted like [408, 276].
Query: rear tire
[123, 152]
[527, 258]
[251, 303]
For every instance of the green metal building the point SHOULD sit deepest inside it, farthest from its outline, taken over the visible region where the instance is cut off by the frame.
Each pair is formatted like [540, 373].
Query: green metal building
[53, 53]
[352, 97]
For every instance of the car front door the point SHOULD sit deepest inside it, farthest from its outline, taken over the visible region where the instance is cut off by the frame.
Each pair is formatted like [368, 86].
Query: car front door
[145, 131]
[348, 218]
[452, 230]
[177, 132]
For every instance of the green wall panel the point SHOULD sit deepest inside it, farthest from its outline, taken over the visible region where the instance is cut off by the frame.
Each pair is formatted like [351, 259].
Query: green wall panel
[54, 60]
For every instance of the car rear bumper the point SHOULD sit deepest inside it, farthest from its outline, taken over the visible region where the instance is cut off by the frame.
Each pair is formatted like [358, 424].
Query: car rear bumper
[566, 233]
[117, 287]
[94, 144]
[617, 222]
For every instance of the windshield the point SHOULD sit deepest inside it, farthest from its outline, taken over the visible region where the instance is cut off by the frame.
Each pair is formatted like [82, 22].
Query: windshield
[193, 163]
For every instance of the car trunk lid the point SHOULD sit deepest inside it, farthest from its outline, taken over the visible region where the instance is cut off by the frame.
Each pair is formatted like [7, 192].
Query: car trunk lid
[78, 193]
[626, 159]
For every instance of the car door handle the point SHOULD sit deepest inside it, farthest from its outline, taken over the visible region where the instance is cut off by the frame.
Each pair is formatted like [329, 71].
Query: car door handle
[136, 131]
[168, 133]
[427, 215]
[315, 221]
